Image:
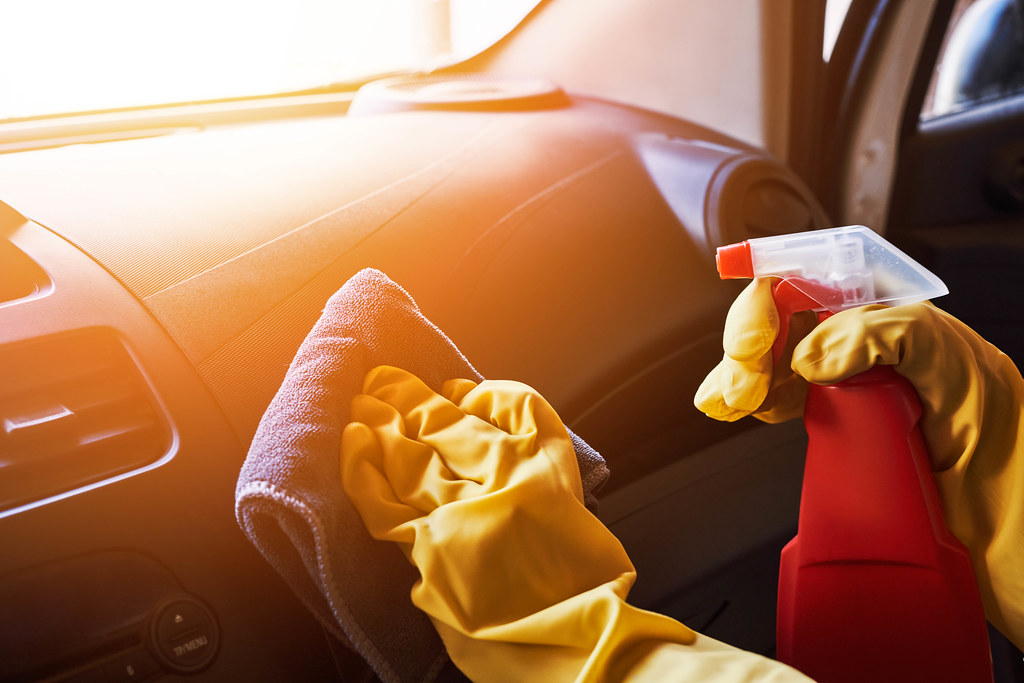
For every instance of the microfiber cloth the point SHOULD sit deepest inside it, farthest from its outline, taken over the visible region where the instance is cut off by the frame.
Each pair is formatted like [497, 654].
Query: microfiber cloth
[289, 499]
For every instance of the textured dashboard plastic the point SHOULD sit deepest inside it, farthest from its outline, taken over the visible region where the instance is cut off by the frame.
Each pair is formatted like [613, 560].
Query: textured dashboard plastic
[569, 248]
[546, 244]
[177, 511]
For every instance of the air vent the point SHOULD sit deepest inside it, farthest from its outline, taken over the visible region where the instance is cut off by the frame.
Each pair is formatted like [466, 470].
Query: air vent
[20, 276]
[74, 410]
[755, 196]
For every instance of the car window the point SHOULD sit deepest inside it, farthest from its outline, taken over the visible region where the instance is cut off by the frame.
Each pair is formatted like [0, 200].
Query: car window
[982, 58]
[835, 15]
[60, 56]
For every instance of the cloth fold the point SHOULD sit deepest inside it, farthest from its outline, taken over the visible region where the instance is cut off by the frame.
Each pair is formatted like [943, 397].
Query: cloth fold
[289, 498]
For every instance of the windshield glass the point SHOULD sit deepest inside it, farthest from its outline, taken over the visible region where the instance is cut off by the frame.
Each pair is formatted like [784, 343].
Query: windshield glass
[61, 56]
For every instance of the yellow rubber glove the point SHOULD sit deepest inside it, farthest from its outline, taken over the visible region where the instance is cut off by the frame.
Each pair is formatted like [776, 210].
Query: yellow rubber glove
[746, 382]
[972, 397]
[479, 486]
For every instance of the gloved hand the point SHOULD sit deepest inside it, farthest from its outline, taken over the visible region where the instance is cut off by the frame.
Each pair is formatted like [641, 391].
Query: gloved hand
[746, 381]
[972, 397]
[480, 487]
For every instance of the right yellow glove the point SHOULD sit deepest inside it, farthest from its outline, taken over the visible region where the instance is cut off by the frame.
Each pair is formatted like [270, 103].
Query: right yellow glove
[746, 381]
[972, 397]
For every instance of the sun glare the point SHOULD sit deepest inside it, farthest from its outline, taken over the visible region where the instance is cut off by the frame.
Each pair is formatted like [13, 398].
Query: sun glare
[72, 55]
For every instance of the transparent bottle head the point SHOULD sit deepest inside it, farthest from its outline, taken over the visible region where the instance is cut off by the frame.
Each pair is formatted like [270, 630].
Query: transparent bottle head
[854, 261]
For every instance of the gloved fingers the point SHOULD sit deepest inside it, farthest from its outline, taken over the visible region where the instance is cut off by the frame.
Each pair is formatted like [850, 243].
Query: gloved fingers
[405, 462]
[528, 423]
[420, 409]
[512, 407]
[788, 393]
[752, 323]
[948, 364]
[470, 447]
[784, 402]
[455, 389]
[853, 341]
[916, 338]
[532, 427]
[742, 382]
[734, 389]
[363, 477]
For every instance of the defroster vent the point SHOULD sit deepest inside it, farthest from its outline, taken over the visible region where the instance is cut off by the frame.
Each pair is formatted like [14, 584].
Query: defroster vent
[74, 410]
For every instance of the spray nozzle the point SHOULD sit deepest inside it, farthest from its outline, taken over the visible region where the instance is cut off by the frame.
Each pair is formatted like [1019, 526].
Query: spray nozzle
[829, 271]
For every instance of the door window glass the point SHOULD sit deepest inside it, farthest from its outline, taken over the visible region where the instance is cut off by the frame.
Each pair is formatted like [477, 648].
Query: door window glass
[835, 14]
[982, 57]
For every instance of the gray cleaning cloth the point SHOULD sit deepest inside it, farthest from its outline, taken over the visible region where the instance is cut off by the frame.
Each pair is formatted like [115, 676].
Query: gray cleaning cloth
[289, 500]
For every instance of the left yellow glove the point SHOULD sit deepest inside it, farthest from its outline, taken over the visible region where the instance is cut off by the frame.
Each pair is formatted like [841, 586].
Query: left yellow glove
[479, 486]
[520, 580]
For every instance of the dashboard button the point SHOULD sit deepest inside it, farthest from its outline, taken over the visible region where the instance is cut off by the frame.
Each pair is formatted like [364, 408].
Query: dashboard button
[183, 634]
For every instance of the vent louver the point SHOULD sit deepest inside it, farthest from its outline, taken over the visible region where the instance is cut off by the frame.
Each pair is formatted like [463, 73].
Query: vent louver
[74, 410]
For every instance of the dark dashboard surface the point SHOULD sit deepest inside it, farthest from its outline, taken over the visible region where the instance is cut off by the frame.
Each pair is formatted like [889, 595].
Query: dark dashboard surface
[567, 247]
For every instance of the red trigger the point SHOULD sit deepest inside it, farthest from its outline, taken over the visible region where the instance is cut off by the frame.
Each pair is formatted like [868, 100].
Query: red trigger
[795, 294]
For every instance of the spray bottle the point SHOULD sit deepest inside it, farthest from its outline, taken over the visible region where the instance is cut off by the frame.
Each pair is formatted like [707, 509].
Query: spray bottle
[874, 587]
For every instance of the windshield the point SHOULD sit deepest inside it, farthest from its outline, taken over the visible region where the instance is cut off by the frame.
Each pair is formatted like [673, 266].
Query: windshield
[62, 56]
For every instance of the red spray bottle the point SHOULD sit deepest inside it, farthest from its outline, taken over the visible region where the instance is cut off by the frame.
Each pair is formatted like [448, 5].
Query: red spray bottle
[874, 587]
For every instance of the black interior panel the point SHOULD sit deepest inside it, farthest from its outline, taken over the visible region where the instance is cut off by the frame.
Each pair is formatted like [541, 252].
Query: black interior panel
[176, 512]
[570, 248]
[958, 206]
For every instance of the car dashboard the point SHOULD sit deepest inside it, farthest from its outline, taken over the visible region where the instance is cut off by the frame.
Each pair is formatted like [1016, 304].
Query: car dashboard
[154, 290]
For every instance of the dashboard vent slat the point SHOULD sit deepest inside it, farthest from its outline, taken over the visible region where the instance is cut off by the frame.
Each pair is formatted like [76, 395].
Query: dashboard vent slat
[74, 410]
